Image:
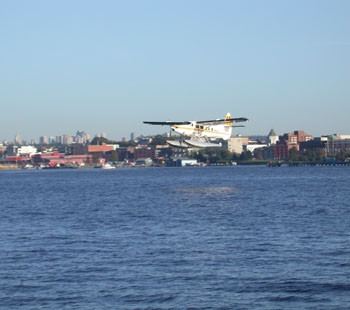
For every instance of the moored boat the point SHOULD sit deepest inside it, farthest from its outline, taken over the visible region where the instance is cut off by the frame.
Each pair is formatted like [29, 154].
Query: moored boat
[107, 166]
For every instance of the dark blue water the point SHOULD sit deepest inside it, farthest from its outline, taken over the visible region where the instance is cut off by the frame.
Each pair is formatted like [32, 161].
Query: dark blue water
[175, 238]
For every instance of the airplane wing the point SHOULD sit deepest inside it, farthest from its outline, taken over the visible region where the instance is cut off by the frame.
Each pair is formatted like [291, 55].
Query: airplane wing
[167, 123]
[223, 121]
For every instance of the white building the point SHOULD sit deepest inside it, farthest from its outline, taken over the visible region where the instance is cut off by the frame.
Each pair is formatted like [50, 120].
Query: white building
[25, 150]
[273, 138]
[183, 162]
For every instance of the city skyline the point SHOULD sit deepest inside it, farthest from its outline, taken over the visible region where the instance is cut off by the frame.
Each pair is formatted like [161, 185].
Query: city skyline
[112, 65]
[83, 137]
[128, 137]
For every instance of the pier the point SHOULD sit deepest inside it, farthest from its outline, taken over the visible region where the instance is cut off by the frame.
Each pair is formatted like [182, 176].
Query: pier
[311, 164]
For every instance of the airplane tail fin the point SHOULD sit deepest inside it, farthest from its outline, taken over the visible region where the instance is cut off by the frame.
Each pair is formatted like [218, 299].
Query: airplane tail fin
[228, 126]
[227, 117]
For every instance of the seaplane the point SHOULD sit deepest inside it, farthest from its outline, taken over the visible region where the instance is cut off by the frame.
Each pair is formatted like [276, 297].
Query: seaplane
[201, 134]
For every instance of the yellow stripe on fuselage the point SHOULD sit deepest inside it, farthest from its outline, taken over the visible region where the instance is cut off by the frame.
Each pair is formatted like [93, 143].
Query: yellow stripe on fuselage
[198, 129]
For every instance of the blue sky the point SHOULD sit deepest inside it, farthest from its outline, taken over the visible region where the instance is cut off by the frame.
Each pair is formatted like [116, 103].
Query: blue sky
[109, 65]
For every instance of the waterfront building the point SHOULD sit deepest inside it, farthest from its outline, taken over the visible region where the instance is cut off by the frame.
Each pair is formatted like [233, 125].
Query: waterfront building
[100, 148]
[21, 151]
[100, 151]
[143, 162]
[182, 162]
[56, 158]
[284, 145]
[125, 153]
[235, 144]
[272, 137]
[281, 150]
[302, 136]
[338, 144]
[316, 143]
[287, 142]
[145, 152]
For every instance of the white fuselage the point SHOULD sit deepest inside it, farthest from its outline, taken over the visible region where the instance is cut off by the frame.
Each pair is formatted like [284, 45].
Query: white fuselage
[204, 130]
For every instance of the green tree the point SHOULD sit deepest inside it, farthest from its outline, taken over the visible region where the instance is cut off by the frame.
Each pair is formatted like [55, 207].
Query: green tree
[259, 155]
[235, 156]
[302, 157]
[247, 155]
[100, 140]
[340, 156]
[293, 154]
[158, 140]
[201, 156]
[223, 154]
[126, 143]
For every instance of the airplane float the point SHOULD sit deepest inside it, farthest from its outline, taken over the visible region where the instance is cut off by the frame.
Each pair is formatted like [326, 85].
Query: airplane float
[199, 134]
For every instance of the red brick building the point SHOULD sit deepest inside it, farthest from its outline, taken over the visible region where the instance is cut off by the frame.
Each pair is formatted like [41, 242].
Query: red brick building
[287, 142]
[144, 152]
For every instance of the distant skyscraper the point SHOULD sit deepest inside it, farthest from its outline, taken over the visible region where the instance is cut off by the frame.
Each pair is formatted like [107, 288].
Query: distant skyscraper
[67, 139]
[18, 140]
[87, 138]
[133, 136]
[80, 133]
[59, 139]
[43, 140]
